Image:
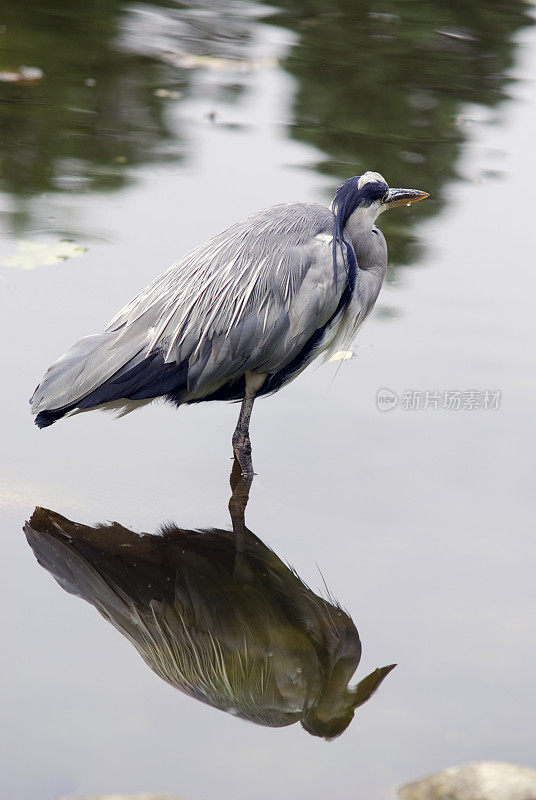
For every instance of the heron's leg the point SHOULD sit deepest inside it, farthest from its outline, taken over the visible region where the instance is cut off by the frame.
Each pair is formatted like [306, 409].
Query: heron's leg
[241, 440]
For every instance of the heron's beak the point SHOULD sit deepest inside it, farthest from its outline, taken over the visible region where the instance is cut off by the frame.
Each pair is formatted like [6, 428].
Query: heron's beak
[400, 197]
[366, 688]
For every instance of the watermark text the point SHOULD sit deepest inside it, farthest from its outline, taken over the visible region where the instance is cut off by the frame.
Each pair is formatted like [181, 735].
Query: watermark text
[439, 400]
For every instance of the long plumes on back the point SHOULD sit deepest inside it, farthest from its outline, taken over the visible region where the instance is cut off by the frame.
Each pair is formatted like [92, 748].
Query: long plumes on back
[253, 297]
[344, 204]
[227, 278]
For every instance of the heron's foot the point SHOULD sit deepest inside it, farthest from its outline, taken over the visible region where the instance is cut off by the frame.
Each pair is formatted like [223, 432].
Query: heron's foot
[242, 453]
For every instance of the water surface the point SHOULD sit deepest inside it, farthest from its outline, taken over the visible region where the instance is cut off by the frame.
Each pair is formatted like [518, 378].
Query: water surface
[153, 127]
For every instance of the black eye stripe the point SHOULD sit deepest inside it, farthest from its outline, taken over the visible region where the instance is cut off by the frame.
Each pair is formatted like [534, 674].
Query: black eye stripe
[350, 196]
[373, 191]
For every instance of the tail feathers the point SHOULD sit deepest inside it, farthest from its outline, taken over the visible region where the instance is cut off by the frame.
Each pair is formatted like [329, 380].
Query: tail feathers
[46, 418]
[89, 364]
[56, 549]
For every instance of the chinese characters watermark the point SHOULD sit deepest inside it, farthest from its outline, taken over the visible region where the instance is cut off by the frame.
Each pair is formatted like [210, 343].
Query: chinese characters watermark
[437, 400]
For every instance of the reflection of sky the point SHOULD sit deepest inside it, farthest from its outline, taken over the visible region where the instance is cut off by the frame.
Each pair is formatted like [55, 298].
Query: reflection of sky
[418, 521]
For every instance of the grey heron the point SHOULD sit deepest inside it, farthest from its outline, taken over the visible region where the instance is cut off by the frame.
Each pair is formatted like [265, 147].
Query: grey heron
[239, 316]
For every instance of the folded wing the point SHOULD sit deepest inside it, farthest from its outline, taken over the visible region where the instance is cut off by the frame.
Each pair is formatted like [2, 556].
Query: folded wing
[249, 299]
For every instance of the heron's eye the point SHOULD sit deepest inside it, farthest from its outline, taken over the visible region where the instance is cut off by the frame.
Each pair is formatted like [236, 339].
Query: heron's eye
[385, 197]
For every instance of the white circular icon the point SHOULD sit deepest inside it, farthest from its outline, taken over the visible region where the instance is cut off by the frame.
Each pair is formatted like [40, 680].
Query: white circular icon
[386, 399]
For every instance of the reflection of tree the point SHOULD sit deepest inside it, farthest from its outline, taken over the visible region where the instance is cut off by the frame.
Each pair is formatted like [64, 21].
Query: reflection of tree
[95, 113]
[381, 85]
[378, 86]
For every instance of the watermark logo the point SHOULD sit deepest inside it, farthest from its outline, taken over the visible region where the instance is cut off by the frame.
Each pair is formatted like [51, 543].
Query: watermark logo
[439, 400]
[386, 399]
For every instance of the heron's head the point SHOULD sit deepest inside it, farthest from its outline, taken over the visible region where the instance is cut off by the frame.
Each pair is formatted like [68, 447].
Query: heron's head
[334, 711]
[370, 195]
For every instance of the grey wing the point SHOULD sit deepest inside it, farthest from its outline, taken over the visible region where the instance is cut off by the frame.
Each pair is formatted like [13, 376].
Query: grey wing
[249, 299]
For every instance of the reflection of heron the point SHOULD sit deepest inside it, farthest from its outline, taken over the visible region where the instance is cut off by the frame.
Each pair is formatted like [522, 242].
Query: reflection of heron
[240, 316]
[229, 625]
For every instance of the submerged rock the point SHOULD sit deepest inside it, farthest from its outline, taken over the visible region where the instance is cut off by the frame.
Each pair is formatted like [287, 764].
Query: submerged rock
[481, 780]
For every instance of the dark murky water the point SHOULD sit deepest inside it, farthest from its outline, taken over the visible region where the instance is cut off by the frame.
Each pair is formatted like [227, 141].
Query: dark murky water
[151, 127]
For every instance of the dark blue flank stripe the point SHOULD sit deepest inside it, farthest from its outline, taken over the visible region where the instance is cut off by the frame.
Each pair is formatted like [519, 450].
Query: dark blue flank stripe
[150, 378]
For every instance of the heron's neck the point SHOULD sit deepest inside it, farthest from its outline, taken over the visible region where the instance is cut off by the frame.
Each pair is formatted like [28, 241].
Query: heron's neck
[368, 243]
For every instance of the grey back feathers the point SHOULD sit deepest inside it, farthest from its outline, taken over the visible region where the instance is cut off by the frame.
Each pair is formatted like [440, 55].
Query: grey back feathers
[247, 299]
